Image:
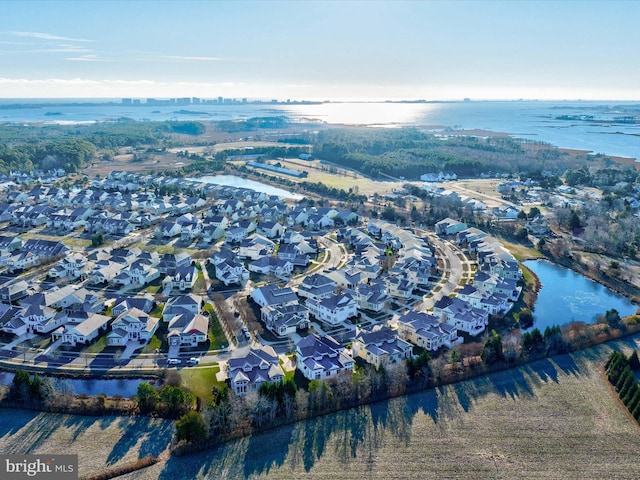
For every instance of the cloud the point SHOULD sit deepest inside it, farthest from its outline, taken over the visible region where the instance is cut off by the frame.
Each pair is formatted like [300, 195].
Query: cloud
[191, 59]
[87, 58]
[46, 36]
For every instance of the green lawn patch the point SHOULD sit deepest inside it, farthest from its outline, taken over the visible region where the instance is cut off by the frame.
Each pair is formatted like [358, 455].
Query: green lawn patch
[154, 343]
[98, 346]
[216, 335]
[200, 380]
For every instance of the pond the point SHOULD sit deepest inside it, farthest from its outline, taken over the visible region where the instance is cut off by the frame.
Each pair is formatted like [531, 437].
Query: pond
[126, 387]
[233, 181]
[566, 297]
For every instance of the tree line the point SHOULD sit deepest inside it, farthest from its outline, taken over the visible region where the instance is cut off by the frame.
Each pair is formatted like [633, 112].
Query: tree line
[620, 371]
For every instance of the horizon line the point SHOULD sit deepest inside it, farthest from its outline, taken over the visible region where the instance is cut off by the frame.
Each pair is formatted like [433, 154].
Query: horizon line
[238, 99]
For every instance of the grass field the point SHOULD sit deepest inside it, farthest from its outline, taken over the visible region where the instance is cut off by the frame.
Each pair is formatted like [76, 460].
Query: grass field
[552, 419]
[200, 380]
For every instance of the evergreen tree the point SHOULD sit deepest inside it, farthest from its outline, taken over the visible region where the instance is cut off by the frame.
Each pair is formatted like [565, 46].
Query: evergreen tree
[191, 427]
[624, 376]
[626, 385]
[630, 393]
[634, 362]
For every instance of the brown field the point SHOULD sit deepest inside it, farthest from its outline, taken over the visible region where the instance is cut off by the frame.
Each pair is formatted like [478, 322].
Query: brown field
[554, 418]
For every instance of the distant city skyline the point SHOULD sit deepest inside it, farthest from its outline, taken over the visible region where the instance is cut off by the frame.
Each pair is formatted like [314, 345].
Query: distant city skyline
[319, 50]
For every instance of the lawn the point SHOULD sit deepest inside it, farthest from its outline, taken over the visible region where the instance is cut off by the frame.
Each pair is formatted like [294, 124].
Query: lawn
[200, 380]
[154, 343]
[216, 336]
[201, 284]
[98, 346]
[521, 252]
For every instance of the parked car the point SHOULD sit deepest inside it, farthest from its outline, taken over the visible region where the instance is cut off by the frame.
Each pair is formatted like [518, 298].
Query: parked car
[174, 361]
[193, 361]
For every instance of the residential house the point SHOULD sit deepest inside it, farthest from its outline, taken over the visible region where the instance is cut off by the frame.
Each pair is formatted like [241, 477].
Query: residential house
[235, 235]
[380, 346]
[270, 229]
[286, 319]
[269, 295]
[316, 286]
[334, 310]
[255, 247]
[266, 265]
[188, 330]
[449, 226]
[183, 279]
[260, 365]
[144, 303]
[14, 292]
[399, 286]
[426, 331]
[183, 303]
[132, 326]
[372, 296]
[460, 314]
[86, 331]
[320, 358]
[231, 271]
[73, 266]
[168, 230]
[291, 252]
[170, 261]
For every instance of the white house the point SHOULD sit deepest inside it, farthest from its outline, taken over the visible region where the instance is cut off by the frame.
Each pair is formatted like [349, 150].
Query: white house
[334, 309]
[260, 365]
[426, 331]
[188, 330]
[273, 295]
[285, 320]
[87, 331]
[380, 346]
[320, 358]
[132, 326]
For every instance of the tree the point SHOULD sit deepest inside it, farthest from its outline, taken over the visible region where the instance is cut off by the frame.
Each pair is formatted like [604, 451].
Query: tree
[522, 215]
[419, 367]
[532, 341]
[574, 220]
[492, 351]
[191, 427]
[21, 386]
[177, 400]
[147, 397]
[634, 363]
[525, 318]
[97, 240]
[533, 212]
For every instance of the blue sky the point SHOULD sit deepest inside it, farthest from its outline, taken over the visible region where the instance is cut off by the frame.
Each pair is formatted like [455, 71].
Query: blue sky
[320, 50]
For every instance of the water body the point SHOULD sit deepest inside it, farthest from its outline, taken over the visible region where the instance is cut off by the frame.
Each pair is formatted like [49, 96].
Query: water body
[126, 387]
[523, 119]
[566, 296]
[233, 181]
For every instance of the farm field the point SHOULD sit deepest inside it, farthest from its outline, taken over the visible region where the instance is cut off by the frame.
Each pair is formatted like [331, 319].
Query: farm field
[99, 442]
[555, 418]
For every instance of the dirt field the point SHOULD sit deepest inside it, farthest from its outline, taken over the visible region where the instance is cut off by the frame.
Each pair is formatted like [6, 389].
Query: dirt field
[150, 163]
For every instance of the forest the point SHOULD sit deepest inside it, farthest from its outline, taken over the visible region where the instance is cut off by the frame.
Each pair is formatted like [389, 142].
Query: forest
[409, 153]
[71, 147]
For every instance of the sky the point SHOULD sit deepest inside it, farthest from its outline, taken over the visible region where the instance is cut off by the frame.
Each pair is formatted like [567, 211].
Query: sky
[324, 50]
